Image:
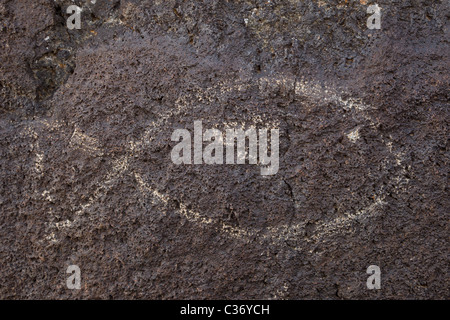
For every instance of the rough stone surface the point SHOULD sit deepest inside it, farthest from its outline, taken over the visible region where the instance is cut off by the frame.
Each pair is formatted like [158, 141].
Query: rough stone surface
[86, 118]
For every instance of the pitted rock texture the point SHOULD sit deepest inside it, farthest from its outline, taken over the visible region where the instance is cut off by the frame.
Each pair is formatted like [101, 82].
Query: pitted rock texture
[86, 118]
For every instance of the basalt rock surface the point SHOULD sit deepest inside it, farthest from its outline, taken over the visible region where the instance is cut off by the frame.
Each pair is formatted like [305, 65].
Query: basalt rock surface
[86, 118]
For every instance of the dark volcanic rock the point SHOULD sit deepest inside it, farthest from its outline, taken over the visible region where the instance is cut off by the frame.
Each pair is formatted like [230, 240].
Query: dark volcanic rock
[86, 118]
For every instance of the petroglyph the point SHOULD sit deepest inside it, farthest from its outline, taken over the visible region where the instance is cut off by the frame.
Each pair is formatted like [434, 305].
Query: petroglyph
[273, 236]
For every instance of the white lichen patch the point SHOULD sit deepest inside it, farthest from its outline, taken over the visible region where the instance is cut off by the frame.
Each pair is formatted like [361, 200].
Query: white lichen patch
[353, 135]
[51, 238]
[192, 215]
[276, 235]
